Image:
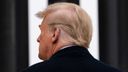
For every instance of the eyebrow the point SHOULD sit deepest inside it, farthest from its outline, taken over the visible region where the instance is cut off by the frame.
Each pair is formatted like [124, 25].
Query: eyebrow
[39, 25]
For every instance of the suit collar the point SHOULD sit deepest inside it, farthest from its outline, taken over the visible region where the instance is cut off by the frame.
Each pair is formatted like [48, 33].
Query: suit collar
[72, 51]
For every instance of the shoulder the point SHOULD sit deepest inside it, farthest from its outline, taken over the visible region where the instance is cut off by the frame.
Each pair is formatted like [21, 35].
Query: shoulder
[36, 67]
[106, 68]
[46, 66]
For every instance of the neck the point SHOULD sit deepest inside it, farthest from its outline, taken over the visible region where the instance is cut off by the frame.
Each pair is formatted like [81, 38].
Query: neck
[61, 46]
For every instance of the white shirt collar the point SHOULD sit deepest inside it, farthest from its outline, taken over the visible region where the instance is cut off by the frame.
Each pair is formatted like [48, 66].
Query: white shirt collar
[66, 46]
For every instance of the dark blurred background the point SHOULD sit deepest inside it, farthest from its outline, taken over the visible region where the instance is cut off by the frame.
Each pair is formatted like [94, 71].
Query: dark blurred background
[113, 35]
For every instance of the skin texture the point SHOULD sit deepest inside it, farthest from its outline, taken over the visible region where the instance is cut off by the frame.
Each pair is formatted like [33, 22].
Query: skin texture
[44, 39]
[48, 40]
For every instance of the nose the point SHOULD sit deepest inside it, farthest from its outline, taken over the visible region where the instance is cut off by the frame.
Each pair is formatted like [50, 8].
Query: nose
[38, 39]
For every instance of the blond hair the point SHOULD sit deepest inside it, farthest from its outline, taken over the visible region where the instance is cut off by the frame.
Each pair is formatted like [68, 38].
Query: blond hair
[75, 22]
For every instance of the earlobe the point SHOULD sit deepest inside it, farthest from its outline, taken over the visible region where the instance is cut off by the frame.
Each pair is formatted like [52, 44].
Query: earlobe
[56, 34]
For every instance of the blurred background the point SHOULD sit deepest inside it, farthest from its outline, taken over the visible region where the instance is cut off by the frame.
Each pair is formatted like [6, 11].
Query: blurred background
[19, 27]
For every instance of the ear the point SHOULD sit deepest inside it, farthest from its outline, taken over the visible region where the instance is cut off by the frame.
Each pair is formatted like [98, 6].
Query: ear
[56, 34]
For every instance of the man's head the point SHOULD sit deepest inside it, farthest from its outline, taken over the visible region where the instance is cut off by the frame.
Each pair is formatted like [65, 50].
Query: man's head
[63, 24]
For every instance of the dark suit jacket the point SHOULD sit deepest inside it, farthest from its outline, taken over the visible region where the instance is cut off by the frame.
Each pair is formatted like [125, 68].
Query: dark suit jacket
[71, 59]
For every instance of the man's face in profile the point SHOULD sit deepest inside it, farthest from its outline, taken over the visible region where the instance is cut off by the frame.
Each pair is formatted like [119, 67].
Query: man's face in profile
[44, 40]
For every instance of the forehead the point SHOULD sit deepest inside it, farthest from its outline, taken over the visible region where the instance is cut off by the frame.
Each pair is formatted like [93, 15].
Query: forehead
[42, 24]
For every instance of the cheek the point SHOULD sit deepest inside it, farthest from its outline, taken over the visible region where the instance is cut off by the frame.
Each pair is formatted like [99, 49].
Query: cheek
[42, 49]
[42, 41]
[44, 46]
